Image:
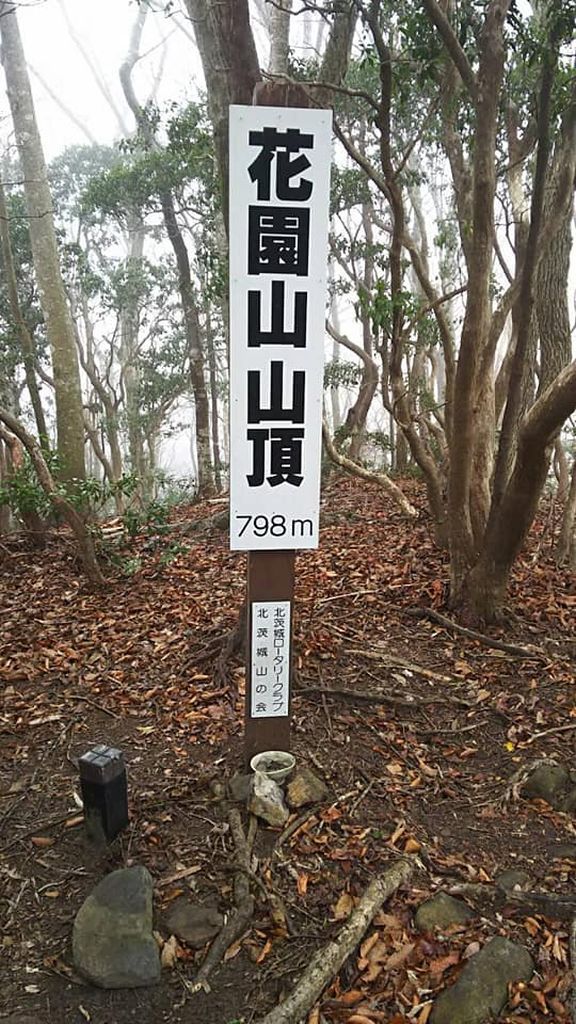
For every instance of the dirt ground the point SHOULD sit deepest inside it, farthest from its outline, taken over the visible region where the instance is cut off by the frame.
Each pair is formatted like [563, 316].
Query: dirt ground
[423, 764]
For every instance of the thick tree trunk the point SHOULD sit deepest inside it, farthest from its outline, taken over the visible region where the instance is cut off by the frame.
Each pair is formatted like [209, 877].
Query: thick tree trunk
[464, 444]
[215, 424]
[279, 30]
[195, 349]
[485, 586]
[59, 326]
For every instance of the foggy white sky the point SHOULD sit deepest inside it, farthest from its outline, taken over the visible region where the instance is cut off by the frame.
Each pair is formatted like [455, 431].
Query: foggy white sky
[104, 28]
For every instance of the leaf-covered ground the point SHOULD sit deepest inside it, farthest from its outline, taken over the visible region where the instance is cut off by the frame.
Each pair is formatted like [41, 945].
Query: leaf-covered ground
[425, 764]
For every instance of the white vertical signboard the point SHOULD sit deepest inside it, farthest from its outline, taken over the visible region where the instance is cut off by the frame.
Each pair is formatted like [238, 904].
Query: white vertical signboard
[279, 206]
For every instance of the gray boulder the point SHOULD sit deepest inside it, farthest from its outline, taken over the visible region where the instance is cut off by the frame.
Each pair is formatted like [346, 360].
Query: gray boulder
[193, 924]
[549, 782]
[112, 940]
[482, 988]
[441, 911]
[267, 801]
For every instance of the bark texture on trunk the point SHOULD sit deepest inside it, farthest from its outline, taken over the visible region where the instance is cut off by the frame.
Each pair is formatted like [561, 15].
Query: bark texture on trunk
[566, 548]
[486, 584]
[59, 325]
[279, 30]
[464, 442]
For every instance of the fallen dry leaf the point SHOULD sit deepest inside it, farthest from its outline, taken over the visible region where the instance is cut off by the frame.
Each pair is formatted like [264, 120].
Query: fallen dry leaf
[343, 907]
[169, 954]
[400, 957]
[302, 884]
[42, 841]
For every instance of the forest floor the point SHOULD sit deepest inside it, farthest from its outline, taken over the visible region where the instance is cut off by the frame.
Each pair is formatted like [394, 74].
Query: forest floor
[429, 771]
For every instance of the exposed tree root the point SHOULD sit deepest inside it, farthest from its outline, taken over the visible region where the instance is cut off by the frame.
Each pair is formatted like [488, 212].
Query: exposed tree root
[328, 961]
[487, 641]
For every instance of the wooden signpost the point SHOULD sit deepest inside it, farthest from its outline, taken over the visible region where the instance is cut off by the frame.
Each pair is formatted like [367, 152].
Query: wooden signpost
[279, 200]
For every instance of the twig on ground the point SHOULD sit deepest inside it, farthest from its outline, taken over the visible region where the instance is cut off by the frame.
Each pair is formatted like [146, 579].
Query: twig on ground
[328, 961]
[378, 698]
[487, 641]
[243, 911]
[458, 729]
[94, 704]
[549, 732]
[408, 666]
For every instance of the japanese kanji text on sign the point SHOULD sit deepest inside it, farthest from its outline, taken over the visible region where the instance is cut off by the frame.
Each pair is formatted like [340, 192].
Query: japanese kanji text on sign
[279, 174]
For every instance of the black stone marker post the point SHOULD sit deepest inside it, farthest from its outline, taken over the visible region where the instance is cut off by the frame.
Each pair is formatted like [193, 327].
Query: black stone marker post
[104, 792]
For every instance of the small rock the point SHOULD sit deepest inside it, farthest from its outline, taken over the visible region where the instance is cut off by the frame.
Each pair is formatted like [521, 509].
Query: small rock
[305, 788]
[267, 801]
[563, 851]
[441, 911]
[482, 988]
[112, 941]
[512, 879]
[193, 924]
[549, 782]
[240, 787]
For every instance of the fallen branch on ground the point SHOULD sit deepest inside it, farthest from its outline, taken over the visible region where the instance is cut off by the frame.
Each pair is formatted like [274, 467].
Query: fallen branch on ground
[328, 961]
[487, 641]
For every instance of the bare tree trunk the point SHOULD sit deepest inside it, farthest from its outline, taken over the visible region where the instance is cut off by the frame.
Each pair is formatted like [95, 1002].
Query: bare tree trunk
[129, 329]
[485, 91]
[566, 548]
[279, 29]
[26, 342]
[4, 479]
[185, 284]
[59, 326]
[212, 367]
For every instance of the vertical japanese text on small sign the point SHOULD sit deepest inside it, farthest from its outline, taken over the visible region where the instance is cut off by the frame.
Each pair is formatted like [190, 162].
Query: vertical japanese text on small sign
[270, 697]
[279, 174]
